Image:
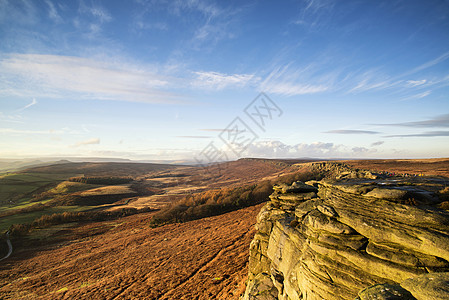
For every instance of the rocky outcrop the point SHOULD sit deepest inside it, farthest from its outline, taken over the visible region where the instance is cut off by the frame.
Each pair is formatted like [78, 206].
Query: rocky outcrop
[354, 238]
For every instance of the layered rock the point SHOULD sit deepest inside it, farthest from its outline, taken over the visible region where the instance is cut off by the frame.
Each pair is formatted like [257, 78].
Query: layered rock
[355, 238]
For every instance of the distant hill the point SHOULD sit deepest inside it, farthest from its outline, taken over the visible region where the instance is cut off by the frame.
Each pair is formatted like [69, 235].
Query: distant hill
[100, 168]
[432, 166]
[12, 165]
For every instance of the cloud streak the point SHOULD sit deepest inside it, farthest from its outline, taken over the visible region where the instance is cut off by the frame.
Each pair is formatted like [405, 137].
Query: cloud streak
[429, 64]
[56, 76]
[424, 134]
[33, 102]
[219, 81]
[377, 143]
[92, 141]
[285, 81]
[194, 136]
[22, 131]
[439, 121]
[352, 132]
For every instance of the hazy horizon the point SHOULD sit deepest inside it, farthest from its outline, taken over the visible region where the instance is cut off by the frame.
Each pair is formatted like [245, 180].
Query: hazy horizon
[182, 80]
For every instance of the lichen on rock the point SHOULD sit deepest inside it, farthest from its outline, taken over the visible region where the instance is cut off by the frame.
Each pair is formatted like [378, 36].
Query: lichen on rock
[358, 236]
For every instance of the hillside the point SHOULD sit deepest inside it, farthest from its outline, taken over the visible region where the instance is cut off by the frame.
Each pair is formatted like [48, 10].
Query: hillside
[363, 236]
[125, 257]
[100, 168]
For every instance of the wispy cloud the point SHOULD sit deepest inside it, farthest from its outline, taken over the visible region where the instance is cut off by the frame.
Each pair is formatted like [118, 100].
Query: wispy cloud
[439, 121]
[33, 102]
[18, 12]
[194, 136]
[372, 80]
[75, 77]
[428, 64]
[341, 131]
[290, 89]
[213, 129]
[91, 19]
[315, 13]
[26, 131]
[379, 79]
[14, 118]
[417, 96]
[378, 143]
[142, 25]
[284, 80]
[53, 12]
[424, 134]
[92, 141]
[99, 13]
[414, 83]
[218, 81]
[214, 21]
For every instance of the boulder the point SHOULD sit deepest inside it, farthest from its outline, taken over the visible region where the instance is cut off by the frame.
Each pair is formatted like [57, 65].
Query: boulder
[351, 238]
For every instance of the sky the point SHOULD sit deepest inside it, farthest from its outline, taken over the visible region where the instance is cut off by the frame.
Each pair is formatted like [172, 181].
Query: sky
[219, 80]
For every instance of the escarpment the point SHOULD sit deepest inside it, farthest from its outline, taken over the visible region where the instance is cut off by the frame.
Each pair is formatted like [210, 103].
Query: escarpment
[358, 238]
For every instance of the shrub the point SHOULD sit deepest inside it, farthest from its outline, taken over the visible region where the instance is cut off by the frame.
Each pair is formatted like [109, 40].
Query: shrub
[102, 180]
[69, 217]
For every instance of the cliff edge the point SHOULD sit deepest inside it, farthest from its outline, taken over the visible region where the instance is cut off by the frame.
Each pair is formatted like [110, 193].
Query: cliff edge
[365, 237]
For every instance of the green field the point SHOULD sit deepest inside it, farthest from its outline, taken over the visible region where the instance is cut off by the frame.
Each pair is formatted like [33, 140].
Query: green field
[6, 222]
[18, 189]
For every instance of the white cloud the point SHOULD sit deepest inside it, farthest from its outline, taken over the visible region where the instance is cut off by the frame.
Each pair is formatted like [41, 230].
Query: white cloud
[291, 89]
[98, 12]
[441, 121]
[429, 64]
[360, 150]
[22, 131]
[285, 81]
[218, 81]
[414, 83]
[53, 12]
[343, 131]
[277, 149]
[378, 143]
[213, 21]
[15, 118]
[141, 25]
[417, 96]
[372, 80]
[33, 102]
[315, 13]
[92, 141]
[14, 131]
[56, 76]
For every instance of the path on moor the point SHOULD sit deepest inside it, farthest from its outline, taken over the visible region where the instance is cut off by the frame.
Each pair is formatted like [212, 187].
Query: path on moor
[8, 242]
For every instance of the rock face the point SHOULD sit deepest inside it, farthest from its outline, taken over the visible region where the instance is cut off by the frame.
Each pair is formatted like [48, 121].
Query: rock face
[352, 239]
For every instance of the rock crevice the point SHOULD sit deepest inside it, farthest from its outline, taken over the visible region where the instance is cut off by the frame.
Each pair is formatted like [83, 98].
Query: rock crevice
[352, 238]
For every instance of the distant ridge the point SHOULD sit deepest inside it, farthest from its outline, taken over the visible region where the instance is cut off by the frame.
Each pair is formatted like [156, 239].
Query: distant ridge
[100, 168]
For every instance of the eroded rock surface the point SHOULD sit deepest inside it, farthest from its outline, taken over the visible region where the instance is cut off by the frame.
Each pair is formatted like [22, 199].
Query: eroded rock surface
[364, 238]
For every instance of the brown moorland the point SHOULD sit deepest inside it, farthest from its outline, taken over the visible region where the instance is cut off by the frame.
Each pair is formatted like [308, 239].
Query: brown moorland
[430, 167]
[127, 259]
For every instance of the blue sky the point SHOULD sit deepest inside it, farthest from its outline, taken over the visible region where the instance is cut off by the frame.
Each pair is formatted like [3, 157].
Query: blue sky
[167, 79]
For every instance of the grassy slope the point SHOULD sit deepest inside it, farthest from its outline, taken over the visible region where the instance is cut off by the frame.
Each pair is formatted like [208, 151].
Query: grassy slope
[16, 193]
[18, 190]
[129, 259]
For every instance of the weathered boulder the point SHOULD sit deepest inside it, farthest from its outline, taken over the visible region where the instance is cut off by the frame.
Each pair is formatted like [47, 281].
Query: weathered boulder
[433, 286]
[365, 238]
[295, 187]
[385, 292]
